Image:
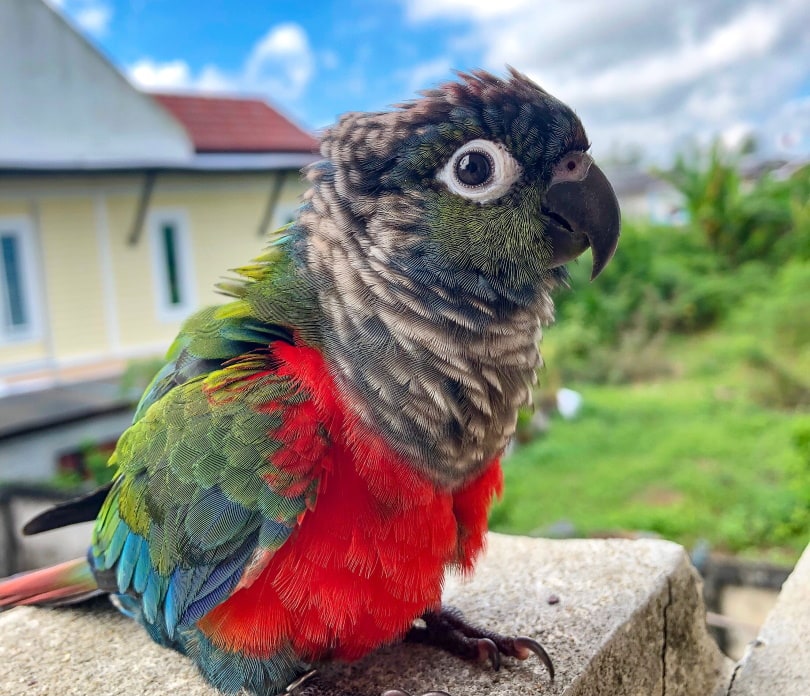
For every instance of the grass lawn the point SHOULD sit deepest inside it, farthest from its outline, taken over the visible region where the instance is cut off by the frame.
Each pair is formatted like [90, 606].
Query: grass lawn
[690, 458]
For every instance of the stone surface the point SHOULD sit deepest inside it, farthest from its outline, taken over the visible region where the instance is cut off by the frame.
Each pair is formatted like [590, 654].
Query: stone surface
[627, 620]
[778, 661]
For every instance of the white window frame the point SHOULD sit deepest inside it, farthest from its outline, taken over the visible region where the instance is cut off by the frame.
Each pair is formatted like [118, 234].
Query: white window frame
[167, 311]
[22, 229]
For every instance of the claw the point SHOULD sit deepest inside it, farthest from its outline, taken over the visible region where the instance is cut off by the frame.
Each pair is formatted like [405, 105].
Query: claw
[487, 650]
[524, 647]
[447, 629]
[399, 692]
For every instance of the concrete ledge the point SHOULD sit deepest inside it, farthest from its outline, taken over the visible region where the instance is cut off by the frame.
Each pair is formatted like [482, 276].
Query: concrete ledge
[617, 617]
[778, 661]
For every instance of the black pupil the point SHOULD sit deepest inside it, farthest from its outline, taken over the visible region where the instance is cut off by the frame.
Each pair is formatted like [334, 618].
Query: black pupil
[473, 169]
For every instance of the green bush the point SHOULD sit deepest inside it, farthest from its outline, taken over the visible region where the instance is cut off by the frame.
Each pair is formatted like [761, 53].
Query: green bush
[661, 281]
[767, 220]
[744, 254]
[780, 313]
[799, 482]
[710, 325]
[92, 470]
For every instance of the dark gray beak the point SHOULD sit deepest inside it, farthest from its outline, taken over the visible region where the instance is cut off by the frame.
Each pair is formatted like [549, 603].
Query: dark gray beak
[583, 214]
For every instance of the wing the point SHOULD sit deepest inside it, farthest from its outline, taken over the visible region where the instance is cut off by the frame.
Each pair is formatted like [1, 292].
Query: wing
[213, 479]
[208, 339]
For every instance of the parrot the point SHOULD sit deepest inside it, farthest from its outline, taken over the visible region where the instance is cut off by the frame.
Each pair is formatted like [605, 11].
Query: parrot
[322, 448]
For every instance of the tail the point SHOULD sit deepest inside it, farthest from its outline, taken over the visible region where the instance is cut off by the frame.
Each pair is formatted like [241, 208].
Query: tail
[66, 583]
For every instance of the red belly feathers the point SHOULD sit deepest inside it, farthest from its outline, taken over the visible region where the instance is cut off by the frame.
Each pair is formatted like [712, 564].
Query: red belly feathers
[370, 556]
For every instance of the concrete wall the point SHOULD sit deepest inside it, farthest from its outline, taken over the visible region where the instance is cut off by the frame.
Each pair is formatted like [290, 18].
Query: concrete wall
[618, 618]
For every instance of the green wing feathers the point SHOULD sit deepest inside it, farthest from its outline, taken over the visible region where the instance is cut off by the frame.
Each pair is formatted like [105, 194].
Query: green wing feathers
[206, 484]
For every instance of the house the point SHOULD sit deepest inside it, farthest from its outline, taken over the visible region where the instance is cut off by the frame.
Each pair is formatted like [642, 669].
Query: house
[644, 197]
[119, 210]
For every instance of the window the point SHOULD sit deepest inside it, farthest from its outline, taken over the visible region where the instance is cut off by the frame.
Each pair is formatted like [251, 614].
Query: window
[171, 256]
[17, 312]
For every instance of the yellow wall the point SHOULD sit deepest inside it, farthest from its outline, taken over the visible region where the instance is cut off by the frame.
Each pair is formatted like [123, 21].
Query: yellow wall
[22, 353]
[132, 270]
[72, 276]
[14, 208]
[223, 229]
[83, 223]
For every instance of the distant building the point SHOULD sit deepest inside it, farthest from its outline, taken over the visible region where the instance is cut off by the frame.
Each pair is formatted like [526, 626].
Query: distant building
[644, 197]
[119, 210]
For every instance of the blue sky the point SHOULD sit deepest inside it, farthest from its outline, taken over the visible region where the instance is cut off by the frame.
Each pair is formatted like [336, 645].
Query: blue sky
[653, 76]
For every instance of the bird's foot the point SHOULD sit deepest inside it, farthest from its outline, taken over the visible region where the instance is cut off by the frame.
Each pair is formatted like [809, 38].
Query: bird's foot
[310, 684]
[448, 629]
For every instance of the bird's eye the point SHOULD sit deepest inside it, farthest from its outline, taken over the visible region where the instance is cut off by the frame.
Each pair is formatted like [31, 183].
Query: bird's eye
[474, 168]
[480, 170]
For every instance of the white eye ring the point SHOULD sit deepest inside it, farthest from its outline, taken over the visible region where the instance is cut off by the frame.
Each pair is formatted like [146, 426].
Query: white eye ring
[484, 159]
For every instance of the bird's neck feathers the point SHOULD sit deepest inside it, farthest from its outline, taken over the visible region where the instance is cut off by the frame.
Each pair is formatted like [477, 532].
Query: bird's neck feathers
[436, 359]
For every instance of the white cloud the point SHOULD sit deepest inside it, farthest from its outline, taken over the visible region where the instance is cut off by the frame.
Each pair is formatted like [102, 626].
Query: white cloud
[280, 65]
[148, 74]
[657, 72]
[453, 9]
[428, 73]
[212, 79]
[736, 134]
[746, 37]
[283, 40]
[789, 127]
[91, 16]
[94, 18]
[282, 62]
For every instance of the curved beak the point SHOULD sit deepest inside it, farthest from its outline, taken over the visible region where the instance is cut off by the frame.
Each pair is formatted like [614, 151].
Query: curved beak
[583, 214]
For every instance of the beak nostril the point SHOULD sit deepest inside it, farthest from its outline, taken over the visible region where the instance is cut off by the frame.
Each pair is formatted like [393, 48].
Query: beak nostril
[573, 166]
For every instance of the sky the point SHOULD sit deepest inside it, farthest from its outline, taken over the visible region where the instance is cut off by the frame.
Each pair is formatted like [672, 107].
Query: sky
[647, 77]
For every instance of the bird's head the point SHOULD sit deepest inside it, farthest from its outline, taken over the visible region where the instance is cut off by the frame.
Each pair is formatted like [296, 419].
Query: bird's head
[492, 174]
[432, 235]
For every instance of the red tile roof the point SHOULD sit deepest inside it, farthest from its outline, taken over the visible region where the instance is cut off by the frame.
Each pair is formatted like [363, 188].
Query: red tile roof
[235, 124]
